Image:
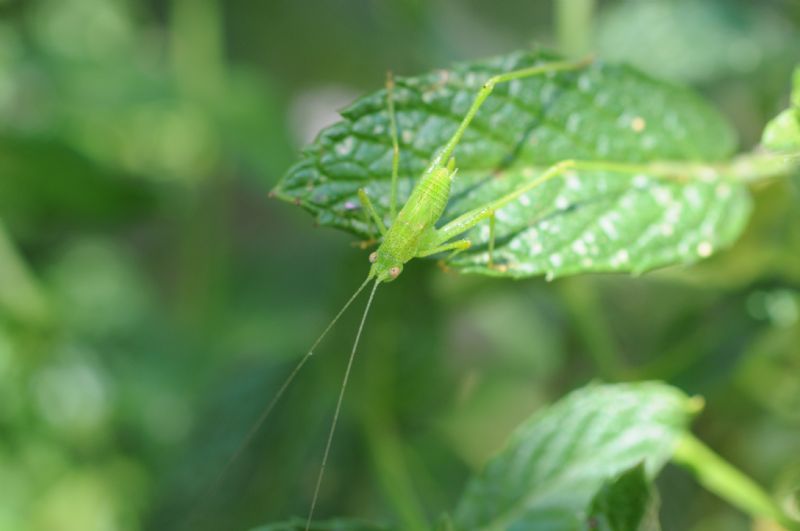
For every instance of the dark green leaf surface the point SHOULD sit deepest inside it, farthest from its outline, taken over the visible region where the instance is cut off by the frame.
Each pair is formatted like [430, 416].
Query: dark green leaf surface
[587, 220]
[555, 464]
[625, 504]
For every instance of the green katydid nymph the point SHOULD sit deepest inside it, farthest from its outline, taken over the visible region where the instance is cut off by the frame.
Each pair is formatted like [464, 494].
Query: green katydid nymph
[413, 231]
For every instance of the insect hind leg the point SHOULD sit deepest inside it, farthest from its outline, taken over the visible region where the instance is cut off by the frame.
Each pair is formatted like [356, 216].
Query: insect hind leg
[486, 90]
[469, 219]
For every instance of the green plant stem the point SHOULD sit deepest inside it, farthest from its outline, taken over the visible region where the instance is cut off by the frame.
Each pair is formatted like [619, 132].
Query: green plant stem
[574, 26]
[727, 482]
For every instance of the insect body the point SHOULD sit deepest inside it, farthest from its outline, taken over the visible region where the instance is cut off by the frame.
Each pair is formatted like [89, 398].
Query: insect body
[413, 231]
[417, 229]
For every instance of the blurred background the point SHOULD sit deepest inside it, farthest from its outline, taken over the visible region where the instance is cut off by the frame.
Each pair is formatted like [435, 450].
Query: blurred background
[152, 298]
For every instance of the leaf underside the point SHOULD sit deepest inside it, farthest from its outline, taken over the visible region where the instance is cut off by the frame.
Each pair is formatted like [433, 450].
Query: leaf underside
[555, 464]
[584, 221]
[626, 503]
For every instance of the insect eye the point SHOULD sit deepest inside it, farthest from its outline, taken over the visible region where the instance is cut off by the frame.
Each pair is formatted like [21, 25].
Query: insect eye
[373, 257]
[394, 272]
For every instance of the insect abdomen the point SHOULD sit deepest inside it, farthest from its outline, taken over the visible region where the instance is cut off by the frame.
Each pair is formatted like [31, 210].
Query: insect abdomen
[423, 208]
[429, 199]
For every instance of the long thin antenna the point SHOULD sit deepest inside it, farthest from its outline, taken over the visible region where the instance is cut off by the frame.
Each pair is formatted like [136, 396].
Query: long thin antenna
[339, 406]
[267, 410]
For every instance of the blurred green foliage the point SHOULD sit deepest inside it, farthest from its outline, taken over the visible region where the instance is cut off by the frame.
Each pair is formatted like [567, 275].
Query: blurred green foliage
[152, 299]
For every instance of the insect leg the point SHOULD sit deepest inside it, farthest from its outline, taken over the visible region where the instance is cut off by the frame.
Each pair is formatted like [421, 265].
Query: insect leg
[471, 218]
[466, 221]
[369, 207]
[368, 222]
[487, 89]
[395, 144]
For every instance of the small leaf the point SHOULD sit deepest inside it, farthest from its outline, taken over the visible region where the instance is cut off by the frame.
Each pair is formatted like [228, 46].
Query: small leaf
[782, 133]
[338, 524]
[625, 504]
[601, 219]
[556, 462]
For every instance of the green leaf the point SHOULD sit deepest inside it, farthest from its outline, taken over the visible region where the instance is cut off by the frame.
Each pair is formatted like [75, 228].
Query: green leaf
[337, 524]
[556, 462]
[782, 133]
[627, 503]
[598, 220]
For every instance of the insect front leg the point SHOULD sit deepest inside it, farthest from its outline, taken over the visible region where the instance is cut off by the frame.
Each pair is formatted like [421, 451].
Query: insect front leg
[447, 151]
[370, 214]
[370, 209]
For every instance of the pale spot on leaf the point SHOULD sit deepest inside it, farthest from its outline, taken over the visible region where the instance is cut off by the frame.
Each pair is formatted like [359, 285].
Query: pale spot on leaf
[704, 249]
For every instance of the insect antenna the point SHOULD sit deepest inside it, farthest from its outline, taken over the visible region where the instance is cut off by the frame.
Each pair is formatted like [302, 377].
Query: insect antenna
[213, 486]
[339, 404]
